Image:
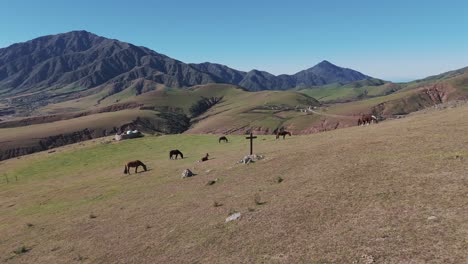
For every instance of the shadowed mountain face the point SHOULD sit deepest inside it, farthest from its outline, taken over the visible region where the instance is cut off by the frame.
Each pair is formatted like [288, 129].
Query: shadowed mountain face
[77, 61]
[82, 60]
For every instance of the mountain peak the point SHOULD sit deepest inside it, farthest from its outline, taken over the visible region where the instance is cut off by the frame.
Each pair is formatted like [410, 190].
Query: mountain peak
[326, 72]
[325, 62]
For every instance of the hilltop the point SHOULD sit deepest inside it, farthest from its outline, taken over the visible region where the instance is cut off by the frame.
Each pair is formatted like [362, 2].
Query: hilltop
[388, 193]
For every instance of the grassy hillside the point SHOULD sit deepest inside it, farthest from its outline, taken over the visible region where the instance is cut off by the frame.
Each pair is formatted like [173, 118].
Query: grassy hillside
[392, 193]
[261, 111]
[238, 111]
[163, 111]
[351, 92]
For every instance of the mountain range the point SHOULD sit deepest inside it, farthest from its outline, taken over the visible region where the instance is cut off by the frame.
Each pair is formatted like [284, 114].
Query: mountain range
[80, 63]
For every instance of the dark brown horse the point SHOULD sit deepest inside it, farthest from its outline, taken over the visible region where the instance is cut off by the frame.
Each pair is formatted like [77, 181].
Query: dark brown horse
[176, 153]
[367, 119]
[282, 133]
[223, 138]
[134, 164]
[205, 158]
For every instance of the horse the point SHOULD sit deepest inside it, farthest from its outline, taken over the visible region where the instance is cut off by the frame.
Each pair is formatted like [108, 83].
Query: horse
[367, 119]
[282, 133]
[175, 152]
[204, 158]
[223, 138]
[135, 164]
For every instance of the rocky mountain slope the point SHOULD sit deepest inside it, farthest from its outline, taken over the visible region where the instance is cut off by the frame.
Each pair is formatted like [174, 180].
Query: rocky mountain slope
[66, 66]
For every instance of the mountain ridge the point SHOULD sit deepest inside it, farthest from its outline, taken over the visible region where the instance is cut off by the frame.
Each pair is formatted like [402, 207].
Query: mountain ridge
[80, 60]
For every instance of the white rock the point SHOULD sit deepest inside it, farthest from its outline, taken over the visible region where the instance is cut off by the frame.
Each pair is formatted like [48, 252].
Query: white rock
[187, 173]
[233, 217]
[432, 217]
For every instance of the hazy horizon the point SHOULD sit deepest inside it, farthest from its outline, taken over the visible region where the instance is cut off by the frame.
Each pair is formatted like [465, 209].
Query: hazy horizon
[398, 41]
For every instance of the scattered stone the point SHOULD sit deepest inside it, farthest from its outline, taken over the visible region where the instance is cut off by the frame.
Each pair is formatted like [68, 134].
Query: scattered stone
[80, 258]
[92, 216]
[217, 204]
[21, 250]
[212, 182]
[251, 158]
[367, 259]
[233, 217]
[52, 151]
[55, 248]
[29, 225]
[187, 173]
[432, 217]
[258, 200]
[279, 179]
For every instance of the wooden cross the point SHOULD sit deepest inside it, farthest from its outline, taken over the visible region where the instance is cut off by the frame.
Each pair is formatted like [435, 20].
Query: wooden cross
[251, 137]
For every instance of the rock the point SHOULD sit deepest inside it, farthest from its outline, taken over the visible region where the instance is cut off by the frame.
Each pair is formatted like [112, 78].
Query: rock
[233, 217]
[212, 182]
[246, 160]
[251, 158]
[187, 173]
[367, 259]
[432, 217]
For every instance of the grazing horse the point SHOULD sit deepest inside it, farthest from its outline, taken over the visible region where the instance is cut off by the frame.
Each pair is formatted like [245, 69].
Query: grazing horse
[223, 138]
[282, 133]
[175, 153]
[134, 164]
[367, 119]
[204, 158]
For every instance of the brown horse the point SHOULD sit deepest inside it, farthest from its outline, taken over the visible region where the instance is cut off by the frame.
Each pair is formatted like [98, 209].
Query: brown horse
[204, 158]
[134, 164]
[367, 119]
[223, 138]
[282, 133]
[175, 152]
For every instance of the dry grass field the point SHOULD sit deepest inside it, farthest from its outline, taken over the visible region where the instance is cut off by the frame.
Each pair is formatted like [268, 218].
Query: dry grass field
[396, 192]
[30, 135]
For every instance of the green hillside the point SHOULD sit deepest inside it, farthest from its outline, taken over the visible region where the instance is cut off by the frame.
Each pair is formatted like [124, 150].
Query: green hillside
[334, 93]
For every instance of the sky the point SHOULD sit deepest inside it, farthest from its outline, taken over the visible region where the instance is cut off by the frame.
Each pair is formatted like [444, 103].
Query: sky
[392, 40]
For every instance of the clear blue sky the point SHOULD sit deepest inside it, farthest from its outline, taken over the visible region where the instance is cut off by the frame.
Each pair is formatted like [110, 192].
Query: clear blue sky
[394, 40]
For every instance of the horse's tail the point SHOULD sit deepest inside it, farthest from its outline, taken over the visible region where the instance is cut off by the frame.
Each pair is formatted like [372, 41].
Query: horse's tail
[126, 169]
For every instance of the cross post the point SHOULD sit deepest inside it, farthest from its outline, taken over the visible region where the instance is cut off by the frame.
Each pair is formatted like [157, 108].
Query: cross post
[251, 137]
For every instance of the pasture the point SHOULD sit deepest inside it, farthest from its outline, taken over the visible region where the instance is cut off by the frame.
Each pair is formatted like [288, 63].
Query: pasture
[395, 192]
